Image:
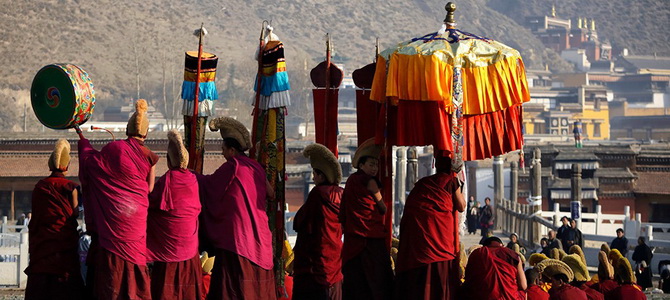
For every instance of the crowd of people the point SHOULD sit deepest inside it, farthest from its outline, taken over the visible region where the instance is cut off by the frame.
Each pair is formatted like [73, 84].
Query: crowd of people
[147, 234]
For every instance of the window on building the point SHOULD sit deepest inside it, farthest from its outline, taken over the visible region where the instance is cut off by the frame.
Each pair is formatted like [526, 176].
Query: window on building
[596, 129]
[596, 104]
[584, 132]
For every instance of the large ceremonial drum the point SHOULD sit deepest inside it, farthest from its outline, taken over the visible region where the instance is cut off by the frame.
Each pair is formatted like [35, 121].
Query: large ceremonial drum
[62, 96]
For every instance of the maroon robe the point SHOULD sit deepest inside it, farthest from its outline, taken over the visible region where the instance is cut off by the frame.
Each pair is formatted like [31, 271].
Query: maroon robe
[628, 291]
[236, 277]
[605, 286]
[535, 292]
[235, 222]
[426, 268]
[366, 260]
[491, 273]
[172, 237]
[591, 294]
[177, 280]
[318, 248]
[116, 191]
[566, 292]
[53, 271]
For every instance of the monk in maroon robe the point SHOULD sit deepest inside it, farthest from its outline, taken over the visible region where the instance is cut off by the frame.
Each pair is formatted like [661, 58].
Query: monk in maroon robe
[366, 259]
[561, 289]
[566, 292]
[605, 282]
[427, 267]
[53, 271]
[172, 229]
[234, 220]
[317, 267]
[627, 289]
[494, 272]
[116, 182]
[534, 291]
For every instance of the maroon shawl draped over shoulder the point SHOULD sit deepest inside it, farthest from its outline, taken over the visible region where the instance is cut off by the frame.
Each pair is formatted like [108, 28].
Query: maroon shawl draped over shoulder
[491, 273]
[233, 207]
[116, 195]
[53, 228]
[359, 215]
[318, 247]
[428, 229]
[172, 228]
[566, 292]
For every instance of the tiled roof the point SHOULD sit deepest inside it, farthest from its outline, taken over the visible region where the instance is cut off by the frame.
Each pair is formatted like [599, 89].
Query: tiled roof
[566, 183]
[576, 155]
[614, 173]
[34, 164]
[641, 122]
[653, 183]
[649, 62]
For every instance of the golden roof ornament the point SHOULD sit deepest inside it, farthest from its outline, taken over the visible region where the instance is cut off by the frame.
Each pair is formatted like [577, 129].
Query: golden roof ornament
[553, 10]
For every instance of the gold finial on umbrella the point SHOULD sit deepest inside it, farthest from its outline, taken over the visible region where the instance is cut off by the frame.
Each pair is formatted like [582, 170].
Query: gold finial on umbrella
[449, 19]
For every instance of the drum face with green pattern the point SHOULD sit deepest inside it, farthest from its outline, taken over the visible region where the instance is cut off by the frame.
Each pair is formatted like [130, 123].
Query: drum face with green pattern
[62, 96]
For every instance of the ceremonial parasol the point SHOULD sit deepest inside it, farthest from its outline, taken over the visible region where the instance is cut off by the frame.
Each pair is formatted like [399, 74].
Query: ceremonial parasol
[454, 90]
[268, 134]
[459, 92]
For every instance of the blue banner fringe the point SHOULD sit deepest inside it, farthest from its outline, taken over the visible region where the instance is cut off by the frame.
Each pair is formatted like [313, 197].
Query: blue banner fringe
[275, 83]
[207, 91]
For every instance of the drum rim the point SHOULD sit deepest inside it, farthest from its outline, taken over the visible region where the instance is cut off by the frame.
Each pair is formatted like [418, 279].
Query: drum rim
[59, 67]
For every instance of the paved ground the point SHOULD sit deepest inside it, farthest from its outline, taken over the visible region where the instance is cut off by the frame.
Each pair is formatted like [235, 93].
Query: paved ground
[11, 294]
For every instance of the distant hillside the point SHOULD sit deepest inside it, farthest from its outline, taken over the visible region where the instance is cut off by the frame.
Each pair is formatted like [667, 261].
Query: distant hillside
[641, 26]
[132, 47]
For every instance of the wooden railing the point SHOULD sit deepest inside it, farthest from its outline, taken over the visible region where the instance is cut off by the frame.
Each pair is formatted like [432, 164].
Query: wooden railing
[522, 219]
[531, 224]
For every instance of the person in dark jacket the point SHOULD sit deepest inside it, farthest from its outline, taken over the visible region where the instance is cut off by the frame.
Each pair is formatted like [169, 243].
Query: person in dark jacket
[575, 236]
[642, 257]
[472, 215]
[486, 217]
[552, 242]
[620, 242]
[563, 231]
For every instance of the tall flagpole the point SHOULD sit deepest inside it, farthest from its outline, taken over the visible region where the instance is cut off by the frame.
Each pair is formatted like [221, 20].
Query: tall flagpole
[256, 110]
[193, 157]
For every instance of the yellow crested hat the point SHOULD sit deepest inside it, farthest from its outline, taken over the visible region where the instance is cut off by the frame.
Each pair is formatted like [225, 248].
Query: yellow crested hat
[138, 124]
[177, 154]
[368, 148]
[231, 128]
[322, 159]
[577, 266]
[60, 157]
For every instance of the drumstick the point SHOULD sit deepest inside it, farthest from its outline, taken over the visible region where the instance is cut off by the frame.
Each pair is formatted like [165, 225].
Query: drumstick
[105, 129]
